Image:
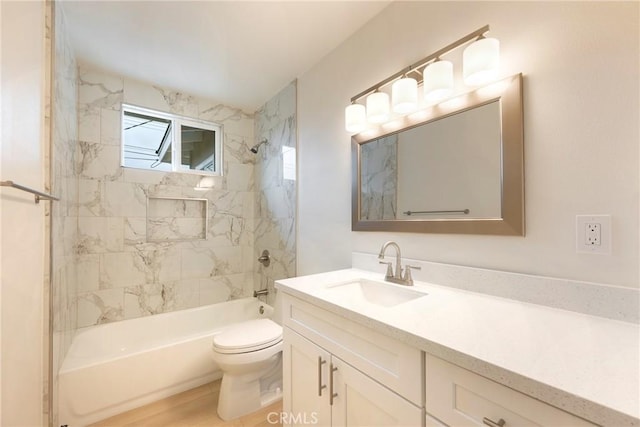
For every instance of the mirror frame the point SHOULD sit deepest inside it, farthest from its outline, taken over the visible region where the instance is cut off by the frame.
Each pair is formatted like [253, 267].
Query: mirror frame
[509, 93]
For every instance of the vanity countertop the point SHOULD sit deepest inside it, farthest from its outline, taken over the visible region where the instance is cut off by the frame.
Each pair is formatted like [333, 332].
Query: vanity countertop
[586, 365]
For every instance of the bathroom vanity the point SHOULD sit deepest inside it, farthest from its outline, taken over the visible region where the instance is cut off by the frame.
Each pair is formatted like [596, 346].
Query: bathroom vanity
[362, 351]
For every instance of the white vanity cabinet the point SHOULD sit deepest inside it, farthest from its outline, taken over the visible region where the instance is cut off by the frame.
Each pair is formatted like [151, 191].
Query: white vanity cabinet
[334, 371]
[461, 398]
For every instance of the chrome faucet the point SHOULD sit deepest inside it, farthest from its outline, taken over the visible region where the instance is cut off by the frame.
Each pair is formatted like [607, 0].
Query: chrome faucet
[396, 277]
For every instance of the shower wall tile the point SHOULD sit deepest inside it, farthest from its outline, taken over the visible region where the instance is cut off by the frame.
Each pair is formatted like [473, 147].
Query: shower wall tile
[88, 272]
[238, 149]
[98, 161]
[120, 269]
[110, 130]
[98, 90]
[124, 199]
[236, 121]
[157, 98]
[275, 196]
[100, 234]
[145, 300]
[89, 125]
[223, 288]
[240, 177]
[90, 198]
[228, 230]
[135, 232]
[101, 306]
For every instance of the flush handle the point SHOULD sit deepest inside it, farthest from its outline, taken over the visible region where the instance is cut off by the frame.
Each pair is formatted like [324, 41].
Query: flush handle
[491, 423]
[320, 385]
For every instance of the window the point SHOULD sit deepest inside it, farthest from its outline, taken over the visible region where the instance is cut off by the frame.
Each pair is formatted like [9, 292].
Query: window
[154, 140]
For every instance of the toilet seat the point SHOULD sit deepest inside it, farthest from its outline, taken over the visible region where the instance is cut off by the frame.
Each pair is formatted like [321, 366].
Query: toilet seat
[247, 337]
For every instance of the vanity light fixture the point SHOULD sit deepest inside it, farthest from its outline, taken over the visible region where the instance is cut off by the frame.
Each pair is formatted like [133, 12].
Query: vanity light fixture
[355, 117]
[480, 65]
[378, 107]
[438, 80]
[404, 95]
[480, 61]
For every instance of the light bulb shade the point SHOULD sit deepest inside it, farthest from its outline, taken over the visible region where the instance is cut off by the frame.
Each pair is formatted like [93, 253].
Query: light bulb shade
[438, 80]
[480, 62]
[378, 107]
[404, 95]
[355, 118]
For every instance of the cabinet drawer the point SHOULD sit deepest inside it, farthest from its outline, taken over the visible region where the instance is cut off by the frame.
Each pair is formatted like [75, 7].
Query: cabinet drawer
[461, 398]
[388, 361]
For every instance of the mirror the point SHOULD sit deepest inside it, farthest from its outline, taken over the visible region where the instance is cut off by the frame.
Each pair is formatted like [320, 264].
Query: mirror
[454, 168]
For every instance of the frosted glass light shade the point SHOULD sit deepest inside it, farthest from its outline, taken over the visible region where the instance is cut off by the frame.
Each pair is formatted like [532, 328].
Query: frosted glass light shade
[480, 62]
[438, 80]
[404, 95]
[378, 107]
[355, 118]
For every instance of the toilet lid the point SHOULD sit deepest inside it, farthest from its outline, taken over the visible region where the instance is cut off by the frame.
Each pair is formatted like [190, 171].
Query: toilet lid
[248, 336]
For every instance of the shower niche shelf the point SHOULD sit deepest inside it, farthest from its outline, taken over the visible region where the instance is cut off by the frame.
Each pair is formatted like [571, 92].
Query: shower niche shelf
[175, 219]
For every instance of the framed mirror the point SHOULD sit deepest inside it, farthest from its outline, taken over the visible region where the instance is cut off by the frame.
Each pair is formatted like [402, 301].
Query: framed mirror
[456, 167]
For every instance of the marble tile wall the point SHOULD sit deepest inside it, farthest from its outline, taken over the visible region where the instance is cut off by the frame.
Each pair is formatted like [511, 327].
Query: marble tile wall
[379, 198]
[64, 184]
[275, 222]
[121, 274]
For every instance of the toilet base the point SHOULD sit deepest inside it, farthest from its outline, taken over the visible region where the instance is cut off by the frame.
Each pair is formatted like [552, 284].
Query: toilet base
[246, 393]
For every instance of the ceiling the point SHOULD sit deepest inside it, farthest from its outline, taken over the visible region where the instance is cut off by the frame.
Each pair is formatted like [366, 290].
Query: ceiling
[240, 53]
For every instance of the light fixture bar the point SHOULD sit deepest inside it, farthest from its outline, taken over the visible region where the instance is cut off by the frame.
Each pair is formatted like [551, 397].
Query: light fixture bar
[424, 61]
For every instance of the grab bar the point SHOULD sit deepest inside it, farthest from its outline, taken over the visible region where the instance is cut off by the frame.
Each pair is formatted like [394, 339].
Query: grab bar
[38, 194]
[463, 211]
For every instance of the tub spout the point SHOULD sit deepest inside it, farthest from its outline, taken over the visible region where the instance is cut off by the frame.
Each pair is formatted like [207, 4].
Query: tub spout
[261, 292]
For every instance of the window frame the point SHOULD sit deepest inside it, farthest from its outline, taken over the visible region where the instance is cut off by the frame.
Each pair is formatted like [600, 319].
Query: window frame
[177, 121]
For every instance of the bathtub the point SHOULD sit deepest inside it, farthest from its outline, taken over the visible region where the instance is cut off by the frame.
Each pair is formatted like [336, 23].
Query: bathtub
[112, 368]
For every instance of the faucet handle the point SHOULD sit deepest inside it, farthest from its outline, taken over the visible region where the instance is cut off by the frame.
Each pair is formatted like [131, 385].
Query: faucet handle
[389, 269]
[407, 273]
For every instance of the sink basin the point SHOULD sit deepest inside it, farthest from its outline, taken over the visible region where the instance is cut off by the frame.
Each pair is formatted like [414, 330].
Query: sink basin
[363, 291]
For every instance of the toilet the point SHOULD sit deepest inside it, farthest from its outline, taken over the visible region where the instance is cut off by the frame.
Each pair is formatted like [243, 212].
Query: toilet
[250, 357]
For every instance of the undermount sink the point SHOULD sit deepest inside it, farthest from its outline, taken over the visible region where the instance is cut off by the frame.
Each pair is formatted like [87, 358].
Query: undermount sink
[361, 291]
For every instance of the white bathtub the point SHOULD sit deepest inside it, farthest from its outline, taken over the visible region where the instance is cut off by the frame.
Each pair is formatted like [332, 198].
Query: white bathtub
[119, 366]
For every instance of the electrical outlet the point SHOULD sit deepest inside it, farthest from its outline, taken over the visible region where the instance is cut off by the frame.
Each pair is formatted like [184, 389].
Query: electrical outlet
[593, 234]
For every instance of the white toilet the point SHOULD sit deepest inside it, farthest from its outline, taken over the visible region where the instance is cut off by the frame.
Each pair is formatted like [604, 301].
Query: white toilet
[250, 357]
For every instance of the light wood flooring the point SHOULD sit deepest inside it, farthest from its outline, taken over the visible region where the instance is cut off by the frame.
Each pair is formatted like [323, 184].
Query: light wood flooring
[196, 407]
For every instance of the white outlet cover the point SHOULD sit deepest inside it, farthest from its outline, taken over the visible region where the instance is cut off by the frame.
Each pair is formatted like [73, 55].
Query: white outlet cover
[582, 245]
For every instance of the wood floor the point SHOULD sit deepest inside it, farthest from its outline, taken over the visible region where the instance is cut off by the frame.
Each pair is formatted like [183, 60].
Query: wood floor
[197, 407]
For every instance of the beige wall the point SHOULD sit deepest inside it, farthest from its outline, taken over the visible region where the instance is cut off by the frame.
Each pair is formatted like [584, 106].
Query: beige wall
[22, 229]
[580, 66]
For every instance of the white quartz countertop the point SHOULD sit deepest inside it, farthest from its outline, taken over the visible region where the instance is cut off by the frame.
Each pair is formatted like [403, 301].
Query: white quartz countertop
[587, 365]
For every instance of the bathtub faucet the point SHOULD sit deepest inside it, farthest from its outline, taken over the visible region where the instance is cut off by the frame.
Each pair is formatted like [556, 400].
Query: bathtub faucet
[261, 292]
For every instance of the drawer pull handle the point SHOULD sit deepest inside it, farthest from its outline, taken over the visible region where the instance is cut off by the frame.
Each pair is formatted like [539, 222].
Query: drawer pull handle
[320, 385]
[491, 423]
[332, 395]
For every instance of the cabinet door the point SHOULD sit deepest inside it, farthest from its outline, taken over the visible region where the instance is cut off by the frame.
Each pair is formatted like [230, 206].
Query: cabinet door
[305, 382]
[464, 399]
[361, 401]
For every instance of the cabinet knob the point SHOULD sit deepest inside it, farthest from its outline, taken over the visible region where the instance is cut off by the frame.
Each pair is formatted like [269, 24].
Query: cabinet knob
[491, 423]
